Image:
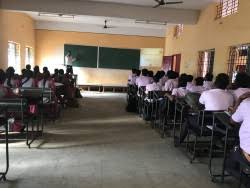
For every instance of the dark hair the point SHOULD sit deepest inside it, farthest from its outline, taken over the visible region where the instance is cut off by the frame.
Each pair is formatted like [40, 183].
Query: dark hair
[199, 81]
[10, 72]
[171, 74]
[138, 72]
[190, 78]
[2, 76]
[144, 72]
[221, 81]
[156, 79]
[209, 77]
[182, 82]
[133, 71]
[242, 80]
[61, 72]
[56, 71]
[45, 69]
[150, 74]
[69, 52]
[28, 66]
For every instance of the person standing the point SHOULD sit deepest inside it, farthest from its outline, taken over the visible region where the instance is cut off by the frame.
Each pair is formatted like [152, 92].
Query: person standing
[69, 61]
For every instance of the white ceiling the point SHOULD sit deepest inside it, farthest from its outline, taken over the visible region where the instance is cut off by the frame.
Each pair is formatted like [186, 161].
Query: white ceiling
[187, 4]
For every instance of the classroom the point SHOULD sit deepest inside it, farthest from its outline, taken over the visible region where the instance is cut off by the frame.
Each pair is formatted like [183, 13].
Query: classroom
[135, 93]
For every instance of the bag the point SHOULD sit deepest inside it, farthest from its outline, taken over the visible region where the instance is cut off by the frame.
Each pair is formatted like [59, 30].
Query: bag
[33, 109]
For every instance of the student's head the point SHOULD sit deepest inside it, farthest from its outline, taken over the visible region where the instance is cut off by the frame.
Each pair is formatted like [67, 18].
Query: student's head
[10, 71]
[199, 81]
[36, 69]
[150, 74]
[156, 79]
[242, 80]
[61, 72]
[162, 73]
[46, 75]
[190, 78]
[45, 69]
[138, 72]
[2, 76]
[144, 72]
[133, 71]
[182, 82]
[56, 71]
[221, 81]
[209, 77]
[28, 67]
[171, 74]
[23, 71]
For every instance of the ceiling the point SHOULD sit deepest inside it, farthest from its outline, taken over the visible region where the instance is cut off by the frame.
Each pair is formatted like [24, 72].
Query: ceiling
[187, 4]
[122, 15]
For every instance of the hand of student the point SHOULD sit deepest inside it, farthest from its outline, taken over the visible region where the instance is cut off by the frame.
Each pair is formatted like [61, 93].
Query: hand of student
[241, 98]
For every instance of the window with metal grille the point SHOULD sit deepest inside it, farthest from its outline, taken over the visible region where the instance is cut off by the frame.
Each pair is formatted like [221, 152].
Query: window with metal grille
[29, 57]
[226, 8]
[14, 59]
[178, 30]
[238, 60]
[205, 62]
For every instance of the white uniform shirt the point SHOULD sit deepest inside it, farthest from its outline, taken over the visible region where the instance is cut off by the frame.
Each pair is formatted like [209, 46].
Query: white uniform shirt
[153, 87]
[132, 79]
[28, 83]
[12, 82]
[189, 85]
[208, 85]
[163, 80]
[143, 81]
[179, 92]
[242, 116]
[238, 92]
[69, 60]
[216, 99]
[170, 85]
[42, 85]
[196, 89]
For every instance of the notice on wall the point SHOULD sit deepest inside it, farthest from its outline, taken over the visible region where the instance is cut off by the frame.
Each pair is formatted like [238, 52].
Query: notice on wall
[151, 57]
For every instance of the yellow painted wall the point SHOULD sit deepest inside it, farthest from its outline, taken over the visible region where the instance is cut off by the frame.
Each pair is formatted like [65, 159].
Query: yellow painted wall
[50, 52]
[16, 27]
[210, 33]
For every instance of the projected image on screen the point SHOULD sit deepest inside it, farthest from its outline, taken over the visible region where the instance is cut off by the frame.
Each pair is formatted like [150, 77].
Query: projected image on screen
[151, 57]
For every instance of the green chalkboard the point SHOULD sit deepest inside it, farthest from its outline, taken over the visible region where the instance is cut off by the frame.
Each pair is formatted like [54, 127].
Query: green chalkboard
[115, 58]
[85, 56]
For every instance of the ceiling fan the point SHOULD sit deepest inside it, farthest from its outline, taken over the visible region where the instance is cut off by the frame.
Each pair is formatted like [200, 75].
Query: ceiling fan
[163, 2]
[106, 25]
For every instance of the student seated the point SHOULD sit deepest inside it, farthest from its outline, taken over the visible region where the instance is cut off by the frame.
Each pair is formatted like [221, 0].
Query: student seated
[217, 99]
[163, 78]
[189, 81]
[242, 83]
[198, 86]
[154, 86]
[143, 80]
[27, 80]
[181, 91]
[172, 81]
[10, 81]
[240, 156]
[151, 75]
[208, 81]
[132, 77]
[46, 82]
[4, 91]
[37, 75]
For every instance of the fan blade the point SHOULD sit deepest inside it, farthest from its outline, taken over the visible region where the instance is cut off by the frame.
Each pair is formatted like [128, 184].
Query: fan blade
[156, 6]
[172, 3]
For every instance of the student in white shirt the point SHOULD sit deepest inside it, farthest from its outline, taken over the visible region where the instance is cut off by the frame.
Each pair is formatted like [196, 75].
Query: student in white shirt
[208, 81]
[241, 154]
[27, 80]
[189, 81]
[10, 81]
[172, 81]
[154, 86]
[163, 78]
[198, 86]
[46, 82]
[151, 75]
[213, 100]
[242, 83]
[143, 80]
[181, 91]
[132, 77]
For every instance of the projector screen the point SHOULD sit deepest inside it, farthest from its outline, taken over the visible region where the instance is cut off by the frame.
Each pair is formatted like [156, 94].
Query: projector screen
[151, 57]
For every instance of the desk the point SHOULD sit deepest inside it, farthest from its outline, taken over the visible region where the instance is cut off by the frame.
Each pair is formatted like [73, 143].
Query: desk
[5, 132]
[223, 119]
